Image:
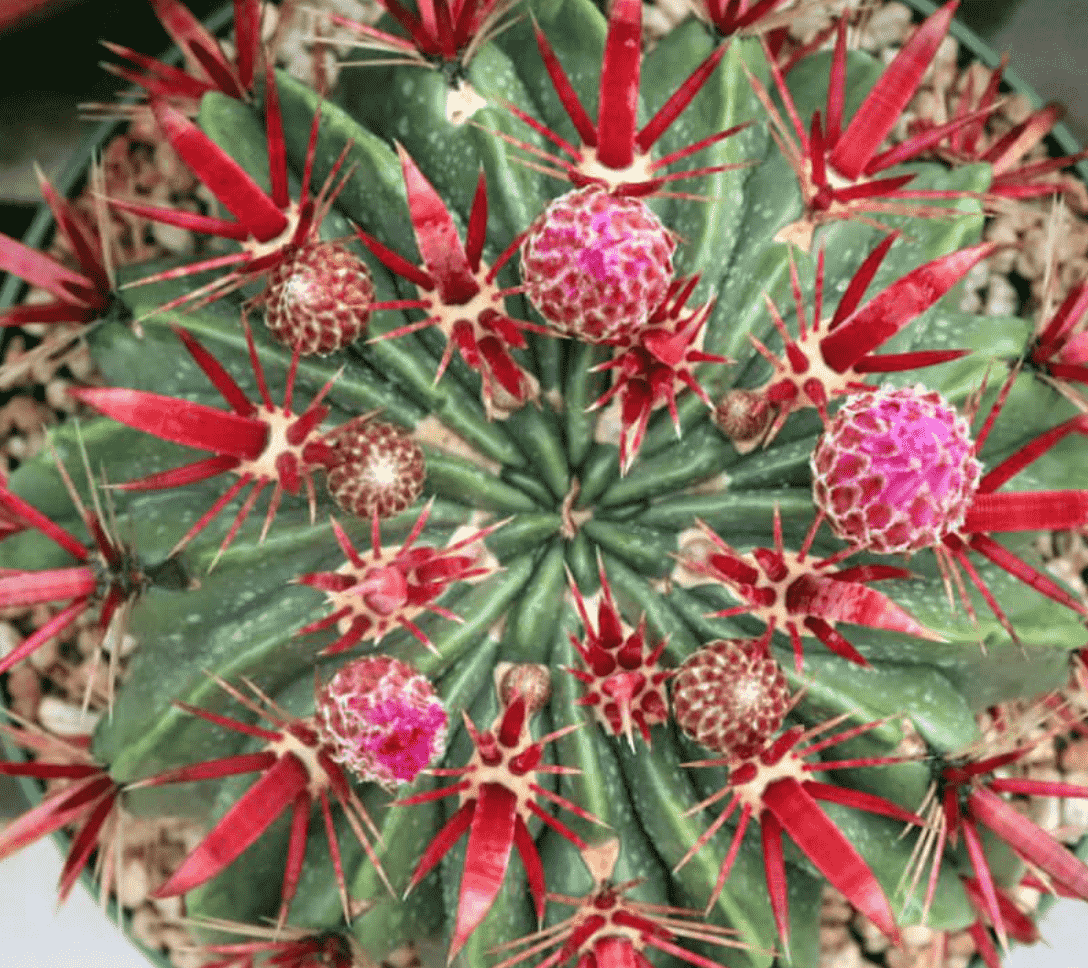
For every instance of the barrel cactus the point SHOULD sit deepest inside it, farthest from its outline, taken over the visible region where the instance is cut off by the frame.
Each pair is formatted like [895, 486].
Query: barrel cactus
[567, 450]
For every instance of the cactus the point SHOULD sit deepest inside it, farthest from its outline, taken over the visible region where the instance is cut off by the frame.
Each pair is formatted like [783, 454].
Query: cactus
[621, 422]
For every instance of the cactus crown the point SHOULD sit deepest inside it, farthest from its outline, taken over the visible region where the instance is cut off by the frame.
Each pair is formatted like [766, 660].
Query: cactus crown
[599, 465]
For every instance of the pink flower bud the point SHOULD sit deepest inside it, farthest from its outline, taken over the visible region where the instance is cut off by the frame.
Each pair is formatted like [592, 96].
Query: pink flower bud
[597, 265]
[319, 299]
[383, 720]
[730, 696]
[895, 470]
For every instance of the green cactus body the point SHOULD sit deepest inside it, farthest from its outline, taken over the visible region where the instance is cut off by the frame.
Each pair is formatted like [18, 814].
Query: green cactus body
[543, 479]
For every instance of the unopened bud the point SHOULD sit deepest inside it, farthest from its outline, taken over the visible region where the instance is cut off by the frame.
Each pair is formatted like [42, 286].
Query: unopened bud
[382, 718]
[528, 679]
[742, 415]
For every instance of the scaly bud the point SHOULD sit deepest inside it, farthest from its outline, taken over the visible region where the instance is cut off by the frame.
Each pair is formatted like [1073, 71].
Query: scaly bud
[597, 265]
[895, 470]
[383, 720]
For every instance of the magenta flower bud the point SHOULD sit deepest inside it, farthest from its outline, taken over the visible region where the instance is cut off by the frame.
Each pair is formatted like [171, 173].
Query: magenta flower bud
[895, 470]
[597, 265]
[383, 719]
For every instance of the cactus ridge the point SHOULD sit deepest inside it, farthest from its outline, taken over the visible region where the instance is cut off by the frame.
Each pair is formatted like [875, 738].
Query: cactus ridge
[626, 394]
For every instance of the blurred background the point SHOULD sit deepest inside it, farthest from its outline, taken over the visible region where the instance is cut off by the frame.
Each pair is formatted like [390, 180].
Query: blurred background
[49, 64]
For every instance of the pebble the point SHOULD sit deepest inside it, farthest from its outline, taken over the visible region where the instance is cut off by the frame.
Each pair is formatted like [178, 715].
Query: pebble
[188, 833]
[168, 857]
[971, 302]
[1003, 262]
[944, 61]
[1074, 758]
[24, 687]
[834, 937]
[184, 958]
[96, 676]
[134, 884]
[978, 275]
[1074, 812]
[887, 26]
[66, 719]
[1027, 897]
[1042, 755]
[927, 105]
[1002, 299]
[270, 18]
[57, 396]
[676, 10]
[79, 362]
[174, 239]
[1030, 261]
[44, 656]
[1045, 811]
[656, 22]
[145, 925]
[169, 907]
[128, 645]
[1017, 108]
[960, 944]
[917, 935]
[846, 957]
[9, 638]
[872, 938]
[175, 936]
[88, 641]
[405, 956]
[836, 909]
